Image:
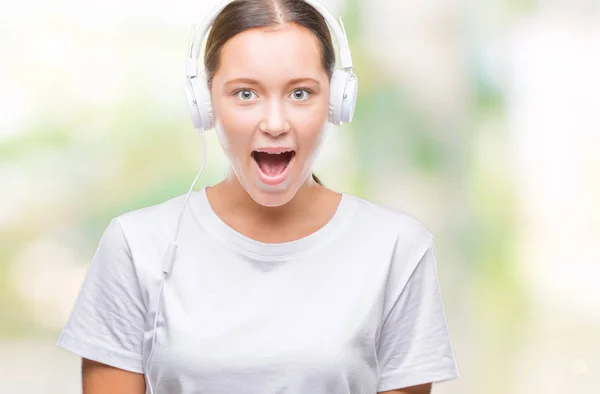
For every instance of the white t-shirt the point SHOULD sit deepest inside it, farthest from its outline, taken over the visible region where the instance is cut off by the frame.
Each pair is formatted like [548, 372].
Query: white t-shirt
[353, 308]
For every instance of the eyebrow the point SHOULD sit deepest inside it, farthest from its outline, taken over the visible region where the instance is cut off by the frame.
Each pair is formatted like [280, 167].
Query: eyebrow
[251, 81]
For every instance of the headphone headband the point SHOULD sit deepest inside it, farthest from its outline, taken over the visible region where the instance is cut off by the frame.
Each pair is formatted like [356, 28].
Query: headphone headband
[198, 34]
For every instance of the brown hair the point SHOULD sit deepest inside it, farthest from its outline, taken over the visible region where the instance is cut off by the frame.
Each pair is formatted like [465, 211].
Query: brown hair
[242, 15]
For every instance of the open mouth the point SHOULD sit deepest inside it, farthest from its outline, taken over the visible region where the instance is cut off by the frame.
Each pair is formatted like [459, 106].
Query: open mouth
[273, 164]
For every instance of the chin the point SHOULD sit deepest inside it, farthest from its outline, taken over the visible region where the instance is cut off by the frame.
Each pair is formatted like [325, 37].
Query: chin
[272, 196]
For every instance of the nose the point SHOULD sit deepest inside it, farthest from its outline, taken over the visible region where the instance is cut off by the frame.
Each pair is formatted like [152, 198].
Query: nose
[275, 121]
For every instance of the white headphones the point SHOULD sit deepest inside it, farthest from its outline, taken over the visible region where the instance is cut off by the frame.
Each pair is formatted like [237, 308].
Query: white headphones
[343, 86]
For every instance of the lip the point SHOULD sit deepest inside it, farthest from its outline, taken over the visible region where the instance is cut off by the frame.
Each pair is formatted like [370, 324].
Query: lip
[276, 179]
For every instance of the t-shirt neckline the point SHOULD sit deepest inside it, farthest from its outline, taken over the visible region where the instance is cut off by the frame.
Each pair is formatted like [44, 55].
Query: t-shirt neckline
[253, 248]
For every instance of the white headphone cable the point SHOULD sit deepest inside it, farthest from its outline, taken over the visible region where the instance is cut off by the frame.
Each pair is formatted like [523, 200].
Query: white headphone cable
[168, 264]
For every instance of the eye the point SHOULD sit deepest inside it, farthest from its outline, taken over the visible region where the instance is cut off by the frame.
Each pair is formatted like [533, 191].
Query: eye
[301, 94]
[244, 94]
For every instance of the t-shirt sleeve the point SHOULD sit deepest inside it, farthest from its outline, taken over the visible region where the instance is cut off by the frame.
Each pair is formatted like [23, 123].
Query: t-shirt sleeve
[107, 321]
[414, 345]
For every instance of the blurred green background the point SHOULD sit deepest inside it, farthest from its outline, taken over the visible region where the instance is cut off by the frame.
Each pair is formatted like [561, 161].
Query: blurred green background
[481, 119]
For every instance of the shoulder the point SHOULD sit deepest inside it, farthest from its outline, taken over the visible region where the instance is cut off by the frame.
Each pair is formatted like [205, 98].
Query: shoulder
[403, 240]
[385, 220]
[150, 228]
[143, 235]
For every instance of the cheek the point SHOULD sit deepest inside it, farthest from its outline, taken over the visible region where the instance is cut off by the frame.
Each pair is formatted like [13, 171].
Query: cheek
[311, 128]
[234, 129]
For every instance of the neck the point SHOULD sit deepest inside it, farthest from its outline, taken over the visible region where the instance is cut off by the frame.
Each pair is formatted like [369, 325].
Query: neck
[229, 193]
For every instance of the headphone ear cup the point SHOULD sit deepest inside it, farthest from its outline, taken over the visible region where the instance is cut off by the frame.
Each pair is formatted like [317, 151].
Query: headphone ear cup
[336, 94]
[203, 115]
[349, 101]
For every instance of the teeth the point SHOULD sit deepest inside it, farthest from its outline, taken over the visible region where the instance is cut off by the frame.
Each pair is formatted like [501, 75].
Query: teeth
[278, 153]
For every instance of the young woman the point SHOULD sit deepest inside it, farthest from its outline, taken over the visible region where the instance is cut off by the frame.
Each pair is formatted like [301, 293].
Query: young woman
[278, 285]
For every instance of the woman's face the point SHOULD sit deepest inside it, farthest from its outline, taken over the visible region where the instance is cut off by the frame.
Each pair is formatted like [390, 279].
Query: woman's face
[270, 97]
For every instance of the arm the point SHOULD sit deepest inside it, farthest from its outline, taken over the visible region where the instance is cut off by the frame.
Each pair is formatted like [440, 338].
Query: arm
[97, 378]
[420, 389]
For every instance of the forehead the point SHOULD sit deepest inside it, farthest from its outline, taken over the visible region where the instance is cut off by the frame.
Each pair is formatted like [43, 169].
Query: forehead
[284, 52]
